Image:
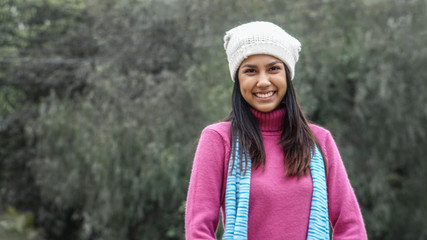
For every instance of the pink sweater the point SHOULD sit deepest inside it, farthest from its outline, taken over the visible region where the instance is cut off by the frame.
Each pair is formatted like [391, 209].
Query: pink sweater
[279, 206]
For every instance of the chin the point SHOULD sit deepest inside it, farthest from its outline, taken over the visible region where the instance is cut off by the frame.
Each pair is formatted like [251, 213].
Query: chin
[266, 109]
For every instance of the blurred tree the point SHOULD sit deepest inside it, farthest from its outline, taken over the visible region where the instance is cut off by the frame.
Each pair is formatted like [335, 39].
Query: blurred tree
[101, 101]
[368, 88]
[120, 153]
[38, 55]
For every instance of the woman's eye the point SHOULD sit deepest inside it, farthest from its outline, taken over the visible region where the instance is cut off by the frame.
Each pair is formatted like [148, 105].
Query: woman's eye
[249, 70]
[274, 68]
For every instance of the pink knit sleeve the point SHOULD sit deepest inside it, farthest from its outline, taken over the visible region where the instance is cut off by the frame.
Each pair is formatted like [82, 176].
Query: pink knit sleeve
[344, 211]
[204, 193]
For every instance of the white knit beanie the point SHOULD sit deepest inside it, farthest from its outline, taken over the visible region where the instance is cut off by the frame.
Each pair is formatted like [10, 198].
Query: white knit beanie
[260, 38]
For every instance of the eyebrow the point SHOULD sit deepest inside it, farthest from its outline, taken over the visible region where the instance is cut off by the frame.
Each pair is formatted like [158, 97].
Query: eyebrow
[272, 63]
[268, 65]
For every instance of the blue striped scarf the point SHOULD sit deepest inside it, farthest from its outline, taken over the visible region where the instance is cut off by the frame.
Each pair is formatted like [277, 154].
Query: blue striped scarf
[237, 198]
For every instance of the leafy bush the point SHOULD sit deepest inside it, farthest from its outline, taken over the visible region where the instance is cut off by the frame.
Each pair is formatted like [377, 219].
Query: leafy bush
[101, 103]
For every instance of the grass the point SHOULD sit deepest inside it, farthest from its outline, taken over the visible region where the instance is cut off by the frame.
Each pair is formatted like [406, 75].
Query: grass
[15, 225]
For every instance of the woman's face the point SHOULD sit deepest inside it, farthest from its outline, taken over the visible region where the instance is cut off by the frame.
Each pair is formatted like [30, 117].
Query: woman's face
[262, 80]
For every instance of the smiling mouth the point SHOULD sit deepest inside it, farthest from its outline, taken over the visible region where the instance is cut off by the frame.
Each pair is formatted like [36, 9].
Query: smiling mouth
[264, 95]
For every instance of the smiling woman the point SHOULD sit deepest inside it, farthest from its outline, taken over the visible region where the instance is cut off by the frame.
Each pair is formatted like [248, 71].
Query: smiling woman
[262, 80]
[271, 173]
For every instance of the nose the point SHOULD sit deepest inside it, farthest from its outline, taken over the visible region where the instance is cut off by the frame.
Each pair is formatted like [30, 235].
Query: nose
[263, 81]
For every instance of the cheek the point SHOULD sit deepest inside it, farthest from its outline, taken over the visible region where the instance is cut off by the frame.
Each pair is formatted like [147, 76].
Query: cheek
[244, 87]
[283, 87]
[284, 92]
[245, 93]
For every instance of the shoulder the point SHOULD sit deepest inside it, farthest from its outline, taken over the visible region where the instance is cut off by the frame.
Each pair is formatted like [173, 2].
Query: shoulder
[322, 134]
[218, 130]
[214, 142]
[326, 141]
[219, 127]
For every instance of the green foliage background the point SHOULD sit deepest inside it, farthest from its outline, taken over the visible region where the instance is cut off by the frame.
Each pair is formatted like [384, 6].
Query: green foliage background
[102, 102]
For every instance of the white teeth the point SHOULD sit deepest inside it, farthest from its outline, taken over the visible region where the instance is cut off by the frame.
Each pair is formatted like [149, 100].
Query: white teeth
[264, 95]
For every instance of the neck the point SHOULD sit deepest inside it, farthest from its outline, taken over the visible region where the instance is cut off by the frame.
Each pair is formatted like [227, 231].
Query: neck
[269, 121]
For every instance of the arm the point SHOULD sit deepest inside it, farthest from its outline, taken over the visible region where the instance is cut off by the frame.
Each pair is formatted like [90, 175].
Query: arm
[344, 211]
[204, 193]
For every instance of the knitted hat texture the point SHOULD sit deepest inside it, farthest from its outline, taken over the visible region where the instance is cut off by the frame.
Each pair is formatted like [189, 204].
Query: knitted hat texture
[260, 38]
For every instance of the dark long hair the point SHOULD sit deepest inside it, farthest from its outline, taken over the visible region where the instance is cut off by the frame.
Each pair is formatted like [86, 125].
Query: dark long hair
[297, 139]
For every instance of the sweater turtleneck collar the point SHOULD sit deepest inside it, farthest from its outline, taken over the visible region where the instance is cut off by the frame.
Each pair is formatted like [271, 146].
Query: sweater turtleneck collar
[269, 121]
